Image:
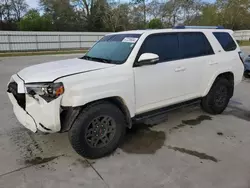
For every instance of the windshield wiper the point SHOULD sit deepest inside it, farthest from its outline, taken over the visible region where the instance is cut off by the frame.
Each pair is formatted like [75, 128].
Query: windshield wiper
[103, 60]
[86, 57]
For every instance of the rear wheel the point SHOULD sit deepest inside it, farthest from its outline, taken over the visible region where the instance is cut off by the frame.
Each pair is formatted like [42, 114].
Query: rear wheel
[247, 74]
[218, 97]
[98, 130]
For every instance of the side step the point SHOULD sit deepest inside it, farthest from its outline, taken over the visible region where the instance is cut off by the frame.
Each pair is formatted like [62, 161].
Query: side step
[159, 115]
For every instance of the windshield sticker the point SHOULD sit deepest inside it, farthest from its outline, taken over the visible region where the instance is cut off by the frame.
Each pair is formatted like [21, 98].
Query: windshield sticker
[130, 39]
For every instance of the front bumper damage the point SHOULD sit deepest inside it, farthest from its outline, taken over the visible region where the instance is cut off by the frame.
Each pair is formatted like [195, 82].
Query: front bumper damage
[34, 112]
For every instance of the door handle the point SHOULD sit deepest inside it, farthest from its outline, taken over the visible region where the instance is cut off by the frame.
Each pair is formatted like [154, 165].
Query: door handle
[180, 69]
[213, 63]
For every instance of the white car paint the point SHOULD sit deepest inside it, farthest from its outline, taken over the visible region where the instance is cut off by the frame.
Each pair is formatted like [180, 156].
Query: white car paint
[22, 116]
[147, 56]
[117, 81]
[48, 72]
[140, 88]
[44, 113]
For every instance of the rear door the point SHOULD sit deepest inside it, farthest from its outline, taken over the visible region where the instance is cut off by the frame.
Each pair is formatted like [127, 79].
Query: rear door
[196, 53]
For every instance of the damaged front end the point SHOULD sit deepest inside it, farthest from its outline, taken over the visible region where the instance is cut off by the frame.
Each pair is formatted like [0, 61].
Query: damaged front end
[37, 105]
[68, 117]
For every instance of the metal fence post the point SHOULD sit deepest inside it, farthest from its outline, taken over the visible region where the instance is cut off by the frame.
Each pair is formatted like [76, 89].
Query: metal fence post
[9, 42]
[80, 40]
[36, 42]
[59, 40]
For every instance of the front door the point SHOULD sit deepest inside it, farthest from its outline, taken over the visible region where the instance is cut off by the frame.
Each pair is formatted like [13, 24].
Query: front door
[156, 84]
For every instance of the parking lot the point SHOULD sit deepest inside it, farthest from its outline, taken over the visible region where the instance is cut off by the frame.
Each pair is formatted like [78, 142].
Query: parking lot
[190, 150]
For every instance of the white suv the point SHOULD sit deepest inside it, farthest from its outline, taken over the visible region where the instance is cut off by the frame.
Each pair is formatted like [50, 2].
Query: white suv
[124, 78]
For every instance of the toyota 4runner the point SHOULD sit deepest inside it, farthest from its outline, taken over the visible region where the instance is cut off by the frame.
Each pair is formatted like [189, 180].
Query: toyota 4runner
[127, 77]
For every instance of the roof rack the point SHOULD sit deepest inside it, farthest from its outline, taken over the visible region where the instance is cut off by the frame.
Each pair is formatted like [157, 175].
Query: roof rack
[198, 27]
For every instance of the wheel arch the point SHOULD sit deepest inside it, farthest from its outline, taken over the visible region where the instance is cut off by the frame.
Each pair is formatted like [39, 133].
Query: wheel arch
[120, 103]
[227, 75]
[71, 113]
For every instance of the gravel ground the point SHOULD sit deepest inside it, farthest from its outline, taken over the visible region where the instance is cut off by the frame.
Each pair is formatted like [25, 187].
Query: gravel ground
[191, 150]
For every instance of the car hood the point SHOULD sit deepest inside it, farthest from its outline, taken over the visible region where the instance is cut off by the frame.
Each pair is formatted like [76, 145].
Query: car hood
[48, 72]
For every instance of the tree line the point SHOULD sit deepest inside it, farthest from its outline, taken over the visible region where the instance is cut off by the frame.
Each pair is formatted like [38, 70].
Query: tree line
[116, 15]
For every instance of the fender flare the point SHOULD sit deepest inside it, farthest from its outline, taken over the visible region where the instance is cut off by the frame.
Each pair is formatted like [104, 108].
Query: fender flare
[213, 79]
[70, 114]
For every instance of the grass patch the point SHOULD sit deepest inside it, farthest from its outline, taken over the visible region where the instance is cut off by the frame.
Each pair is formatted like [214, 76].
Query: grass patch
[244, 43]
[13, 54]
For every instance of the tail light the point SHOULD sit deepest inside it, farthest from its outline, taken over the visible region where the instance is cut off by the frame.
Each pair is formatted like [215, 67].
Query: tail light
[241, 55]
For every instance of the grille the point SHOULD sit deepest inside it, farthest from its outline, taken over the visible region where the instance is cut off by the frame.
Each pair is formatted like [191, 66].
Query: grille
[20, 97]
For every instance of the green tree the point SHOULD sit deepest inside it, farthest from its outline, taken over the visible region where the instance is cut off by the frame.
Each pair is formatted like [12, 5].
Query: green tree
[155, 9]
[32, 21]
[143, 6]
[11, 11]
[117, 17]
[96, 22]
[19, 8]
[209, 16]
[62, 14]
[233, 14]
[92, 12]
[46, 23]
[155, 24]
[111, 15]
[136, 18]
[124, 20]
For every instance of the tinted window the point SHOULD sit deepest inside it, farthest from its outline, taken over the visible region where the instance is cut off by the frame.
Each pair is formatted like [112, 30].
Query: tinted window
[194, 44]
[225, 40]
[164, 45]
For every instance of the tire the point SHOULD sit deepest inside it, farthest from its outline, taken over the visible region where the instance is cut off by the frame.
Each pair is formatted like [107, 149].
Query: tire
[95, 121]
[218, 97]
[247, 74]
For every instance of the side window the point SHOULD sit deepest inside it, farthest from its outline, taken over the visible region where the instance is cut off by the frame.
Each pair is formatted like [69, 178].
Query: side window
[164, 45]
[225, 40]
[194, 44]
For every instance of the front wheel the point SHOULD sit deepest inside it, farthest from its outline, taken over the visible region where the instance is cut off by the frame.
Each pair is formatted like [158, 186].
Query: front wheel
[218, 97]
[98, 130]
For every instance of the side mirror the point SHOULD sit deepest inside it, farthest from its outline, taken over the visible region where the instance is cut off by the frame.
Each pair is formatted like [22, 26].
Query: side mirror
[148, 59]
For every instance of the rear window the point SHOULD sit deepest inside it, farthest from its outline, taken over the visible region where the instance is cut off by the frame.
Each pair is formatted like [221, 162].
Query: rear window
[194, 44]
[225, 40]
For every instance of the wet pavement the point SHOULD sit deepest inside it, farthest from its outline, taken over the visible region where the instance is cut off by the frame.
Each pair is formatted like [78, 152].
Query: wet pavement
[191, 149]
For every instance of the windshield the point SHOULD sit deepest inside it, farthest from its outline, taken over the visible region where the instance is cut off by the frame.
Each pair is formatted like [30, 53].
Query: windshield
[113, 49]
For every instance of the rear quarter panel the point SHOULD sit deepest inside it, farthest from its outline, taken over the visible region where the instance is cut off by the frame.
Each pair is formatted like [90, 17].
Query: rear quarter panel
[227, 62]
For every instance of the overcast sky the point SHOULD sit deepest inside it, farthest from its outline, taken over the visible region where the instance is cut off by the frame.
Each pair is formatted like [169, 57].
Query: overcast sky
[32, 3]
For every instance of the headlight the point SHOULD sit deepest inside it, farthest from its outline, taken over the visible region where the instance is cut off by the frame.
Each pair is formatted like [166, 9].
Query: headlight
[48, 91]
